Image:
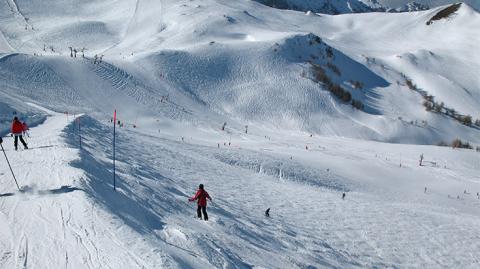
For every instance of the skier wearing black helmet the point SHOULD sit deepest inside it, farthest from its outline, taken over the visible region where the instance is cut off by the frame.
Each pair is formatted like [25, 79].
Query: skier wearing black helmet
[201, 196]
[17, 131]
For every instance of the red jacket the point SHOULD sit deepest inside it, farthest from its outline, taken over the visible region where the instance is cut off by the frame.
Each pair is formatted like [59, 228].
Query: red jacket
[17, 127]
[201, 196]
[25, 127]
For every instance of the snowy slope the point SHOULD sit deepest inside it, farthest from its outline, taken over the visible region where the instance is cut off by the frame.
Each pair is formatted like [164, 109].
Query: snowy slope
[176, 71]
[361, 6]
[52, 223]
[430, 3]
[72, 218]
[320, 6]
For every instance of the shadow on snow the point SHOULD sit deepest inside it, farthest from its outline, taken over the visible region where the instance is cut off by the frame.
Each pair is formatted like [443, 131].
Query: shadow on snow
[28, 189]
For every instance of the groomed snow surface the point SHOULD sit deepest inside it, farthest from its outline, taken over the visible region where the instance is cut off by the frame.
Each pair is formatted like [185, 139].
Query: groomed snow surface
[69, 216]
[176, 71]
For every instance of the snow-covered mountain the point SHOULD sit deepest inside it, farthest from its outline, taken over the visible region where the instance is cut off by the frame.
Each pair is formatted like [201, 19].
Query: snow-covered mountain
[320, 6]
[269, 108]
[393, 4]
[409, 7]
[235, 67]
[361, 6]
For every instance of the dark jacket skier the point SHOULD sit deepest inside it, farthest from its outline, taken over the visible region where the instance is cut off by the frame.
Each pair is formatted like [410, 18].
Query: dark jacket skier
[202, 196]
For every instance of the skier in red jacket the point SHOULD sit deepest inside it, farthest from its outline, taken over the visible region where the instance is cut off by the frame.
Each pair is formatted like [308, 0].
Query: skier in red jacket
[17, 131]
[202, 197]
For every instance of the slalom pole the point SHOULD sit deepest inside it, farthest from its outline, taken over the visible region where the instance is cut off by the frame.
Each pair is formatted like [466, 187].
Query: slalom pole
[114, 123]
[1, 145]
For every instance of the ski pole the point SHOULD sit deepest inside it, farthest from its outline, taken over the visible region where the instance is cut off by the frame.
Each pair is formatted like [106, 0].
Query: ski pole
[1, 145]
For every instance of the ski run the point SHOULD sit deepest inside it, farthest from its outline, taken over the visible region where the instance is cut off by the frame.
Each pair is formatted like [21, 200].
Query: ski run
[323, 141]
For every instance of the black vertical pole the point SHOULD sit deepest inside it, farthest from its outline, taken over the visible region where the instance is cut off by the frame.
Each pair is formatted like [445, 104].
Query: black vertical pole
[114, 123]
[9, 166]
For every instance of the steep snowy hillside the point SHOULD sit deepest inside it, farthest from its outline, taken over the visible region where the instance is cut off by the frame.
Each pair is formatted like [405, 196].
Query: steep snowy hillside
[330, 121]
[236, 60]
[320, 6]
[361, 6]
[429, 3]
[410, 7]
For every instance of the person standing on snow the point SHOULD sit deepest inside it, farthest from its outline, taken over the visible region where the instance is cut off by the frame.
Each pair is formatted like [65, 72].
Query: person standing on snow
[202, 197]
[17, 130]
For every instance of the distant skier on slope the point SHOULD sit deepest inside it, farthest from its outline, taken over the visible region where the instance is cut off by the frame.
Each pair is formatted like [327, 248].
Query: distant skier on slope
[201, 196]
[17, 130]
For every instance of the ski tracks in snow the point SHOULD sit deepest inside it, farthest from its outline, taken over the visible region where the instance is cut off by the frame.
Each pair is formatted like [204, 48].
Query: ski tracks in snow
[22, 253]
[52, 222]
